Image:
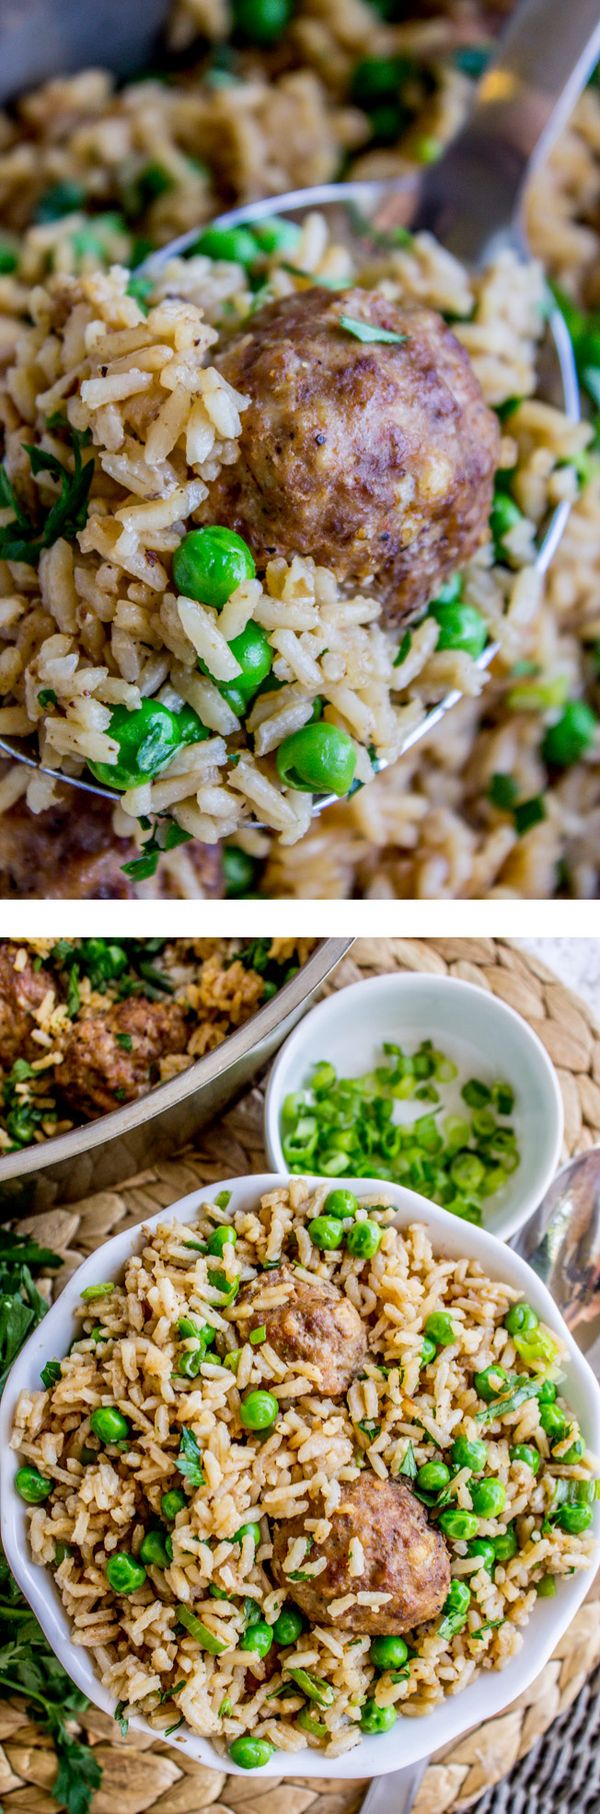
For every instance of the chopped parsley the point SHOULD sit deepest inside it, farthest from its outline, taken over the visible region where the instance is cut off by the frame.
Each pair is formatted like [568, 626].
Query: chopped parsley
[369, 331]
[23, 539]
[189, 1459]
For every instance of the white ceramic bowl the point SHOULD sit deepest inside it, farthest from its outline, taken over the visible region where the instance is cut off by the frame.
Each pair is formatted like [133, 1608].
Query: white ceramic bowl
[471, 1026]
[410, 1739]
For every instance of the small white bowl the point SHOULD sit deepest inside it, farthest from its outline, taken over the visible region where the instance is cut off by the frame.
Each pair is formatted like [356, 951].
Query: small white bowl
[473, 1028]
[410, 1739]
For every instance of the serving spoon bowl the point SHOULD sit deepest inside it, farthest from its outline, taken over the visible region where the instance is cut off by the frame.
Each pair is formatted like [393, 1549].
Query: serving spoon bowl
[472, 201]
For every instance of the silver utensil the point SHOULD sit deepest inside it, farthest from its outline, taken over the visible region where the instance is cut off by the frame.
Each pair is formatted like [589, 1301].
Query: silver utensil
[472, 200]
[561, 1242]
[39, 39]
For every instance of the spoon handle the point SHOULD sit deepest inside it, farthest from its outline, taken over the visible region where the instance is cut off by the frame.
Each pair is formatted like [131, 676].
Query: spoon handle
[543, 61]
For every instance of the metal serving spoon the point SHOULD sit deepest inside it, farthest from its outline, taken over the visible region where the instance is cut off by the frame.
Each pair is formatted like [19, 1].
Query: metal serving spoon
[472, 201]
[561, 1242]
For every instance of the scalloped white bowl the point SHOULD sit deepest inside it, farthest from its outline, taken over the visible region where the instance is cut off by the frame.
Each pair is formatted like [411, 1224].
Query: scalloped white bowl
[483, 1036]
[409, 1739]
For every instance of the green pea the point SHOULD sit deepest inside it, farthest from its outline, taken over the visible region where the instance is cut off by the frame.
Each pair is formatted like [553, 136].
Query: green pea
[504, 516]
[172, 1503]
[32, 1486]
[388, 1653]
[258, 1638]
[147, 739]
[340, 1203]
[525, 1452]
[547, 1392]
[461, 627]
[262, 21]
[190, 726]
[467, 1454]
[109, 1424]
[520, 1318]
[236, 246]
[248, 1530]
[239, 870]
[220, 1238]
[377, 79]
[553, 1422]
[259, 1410]
[124, 1573]
[320, 759]
[483, 1548]
[574, 732]
[250, 1753]
[276, 235]
[455, 1609]
[209, 563]
[488, 1497]
[574, 1518]
[457, 1524]
[433, 1476]
[254, 655]
[546, 1587]
[505, 1546]
[428, 1351]
[363, 1239]
[490, 1383]
[439, 1329]
[377, 1719]
[156, 1549]
[288, 1626]
[326, 1232]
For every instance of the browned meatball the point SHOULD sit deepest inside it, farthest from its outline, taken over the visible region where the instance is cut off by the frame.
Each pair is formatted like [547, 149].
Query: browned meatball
[113, 1057]
[73, 855]
[376, 458]
[21, 992]
[404, 1557]
[316, 1323]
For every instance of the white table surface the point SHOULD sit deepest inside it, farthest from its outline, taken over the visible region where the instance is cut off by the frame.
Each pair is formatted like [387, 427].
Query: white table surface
[575, 960]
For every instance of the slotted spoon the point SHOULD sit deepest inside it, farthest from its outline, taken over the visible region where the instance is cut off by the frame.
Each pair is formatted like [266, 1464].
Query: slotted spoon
[472, 200]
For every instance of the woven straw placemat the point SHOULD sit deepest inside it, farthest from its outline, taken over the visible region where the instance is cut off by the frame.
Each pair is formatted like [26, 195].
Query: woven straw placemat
[140, 1774]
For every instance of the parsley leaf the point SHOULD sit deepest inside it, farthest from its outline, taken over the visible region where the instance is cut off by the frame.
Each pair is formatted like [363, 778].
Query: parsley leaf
[189, 1459]
[368, 330]
[21, 540]
[50, 1373]
[408, 1464]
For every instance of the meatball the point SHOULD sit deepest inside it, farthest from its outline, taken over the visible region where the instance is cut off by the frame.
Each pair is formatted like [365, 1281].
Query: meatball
[21, 992]
[376, 458]
[404, 1557]
[70, 855]
[316, 1323]
[113, 1057]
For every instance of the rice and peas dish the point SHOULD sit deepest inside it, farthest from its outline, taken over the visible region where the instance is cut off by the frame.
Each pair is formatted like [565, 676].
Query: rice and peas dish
[100, 628]
[300, 1475]
[89, 1024]
[145, 643]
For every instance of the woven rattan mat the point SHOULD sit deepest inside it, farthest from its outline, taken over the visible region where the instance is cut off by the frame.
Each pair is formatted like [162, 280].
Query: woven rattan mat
[139, 1774]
